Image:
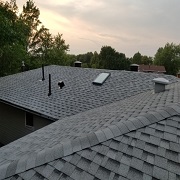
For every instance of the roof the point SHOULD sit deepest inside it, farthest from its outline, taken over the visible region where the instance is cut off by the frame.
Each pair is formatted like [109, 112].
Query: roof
[152, 68]
[27, 91]
[144, 147]
[133, 138]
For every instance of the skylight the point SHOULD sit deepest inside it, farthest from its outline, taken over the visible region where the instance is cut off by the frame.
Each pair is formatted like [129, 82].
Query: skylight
[101, 78]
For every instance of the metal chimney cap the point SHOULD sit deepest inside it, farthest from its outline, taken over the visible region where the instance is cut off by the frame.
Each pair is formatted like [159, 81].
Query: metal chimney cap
[134, 65]
[161, 81]
[78, 62]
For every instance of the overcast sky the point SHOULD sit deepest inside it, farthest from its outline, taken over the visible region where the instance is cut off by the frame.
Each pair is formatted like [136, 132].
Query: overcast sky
[128, 26]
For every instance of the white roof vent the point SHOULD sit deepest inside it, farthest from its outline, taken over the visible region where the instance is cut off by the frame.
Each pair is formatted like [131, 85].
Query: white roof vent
[160, 84]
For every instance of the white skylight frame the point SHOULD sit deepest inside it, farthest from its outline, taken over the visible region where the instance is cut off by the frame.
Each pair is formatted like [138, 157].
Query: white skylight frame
[101, 78]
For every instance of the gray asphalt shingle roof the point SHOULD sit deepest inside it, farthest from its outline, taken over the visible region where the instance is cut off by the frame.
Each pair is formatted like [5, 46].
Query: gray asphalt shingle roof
[135, 137]
[135, 149]
[78, 95]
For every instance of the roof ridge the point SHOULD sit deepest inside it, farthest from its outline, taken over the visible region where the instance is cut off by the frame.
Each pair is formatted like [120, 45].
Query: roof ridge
[91, 139]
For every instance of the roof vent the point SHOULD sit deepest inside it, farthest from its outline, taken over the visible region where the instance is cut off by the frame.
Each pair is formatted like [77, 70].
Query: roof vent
[61, 84]
[49, 85]
[43, 78]
[101, 78]
[77, 64]
[134, 67]
[160, 84]
[23, 66]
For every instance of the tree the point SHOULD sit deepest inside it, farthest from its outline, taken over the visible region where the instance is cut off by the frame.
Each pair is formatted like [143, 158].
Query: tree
[30, 16]
[12, 38]
[123, 62]
[146, 60]
[24, 38]
[111, 59]
[169, 57]
[95, 61]
[108, 57]
[12, 29]
[137, 58]
[54, 49]
[85, 59]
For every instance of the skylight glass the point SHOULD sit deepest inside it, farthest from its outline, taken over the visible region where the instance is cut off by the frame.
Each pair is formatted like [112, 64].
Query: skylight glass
[101, 78]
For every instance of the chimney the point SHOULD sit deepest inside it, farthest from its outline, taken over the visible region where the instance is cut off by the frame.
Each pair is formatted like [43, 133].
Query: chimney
[77, 64]
[134, 67]
[159, 84]
[49, 85]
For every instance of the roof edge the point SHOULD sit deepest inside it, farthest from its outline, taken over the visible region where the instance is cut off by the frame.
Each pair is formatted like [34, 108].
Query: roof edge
[28, 110]
[91, 139]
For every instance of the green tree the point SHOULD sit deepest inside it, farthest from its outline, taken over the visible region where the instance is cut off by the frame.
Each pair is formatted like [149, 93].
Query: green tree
[30, 16]
[70, 59]
[137, 58]
[24, 38]
[85, 59]
[111, 59]
[169, 57]
[123, 62]
[12, 38]
[95, 61]
[108, 57]
[146, 60]
[54, 49]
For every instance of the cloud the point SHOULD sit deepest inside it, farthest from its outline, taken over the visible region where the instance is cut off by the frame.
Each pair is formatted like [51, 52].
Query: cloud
[123, 23]
[123, 38]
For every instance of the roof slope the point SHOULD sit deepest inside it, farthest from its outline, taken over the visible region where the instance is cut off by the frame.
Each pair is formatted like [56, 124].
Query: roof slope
[42, 152]
[25, 90]
[70, 128]
[133, 138]
[145, 147]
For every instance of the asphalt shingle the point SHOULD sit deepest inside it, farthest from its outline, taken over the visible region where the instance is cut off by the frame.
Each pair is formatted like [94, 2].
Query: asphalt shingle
[128, 135]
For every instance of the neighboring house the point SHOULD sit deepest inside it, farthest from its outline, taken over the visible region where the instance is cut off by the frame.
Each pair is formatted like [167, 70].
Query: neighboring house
[148, 68]
[119, 130]
[152, 68]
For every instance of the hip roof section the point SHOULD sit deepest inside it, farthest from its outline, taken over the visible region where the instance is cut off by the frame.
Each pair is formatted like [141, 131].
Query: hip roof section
[27, 91]
[145, 147]
[76, 126]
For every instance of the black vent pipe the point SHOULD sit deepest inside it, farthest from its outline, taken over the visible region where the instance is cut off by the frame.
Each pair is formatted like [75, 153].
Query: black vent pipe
[43, 78]
[49, 85]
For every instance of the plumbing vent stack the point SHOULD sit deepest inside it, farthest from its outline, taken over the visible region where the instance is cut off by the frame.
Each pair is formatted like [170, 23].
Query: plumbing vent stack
[159, 84]
[43, 73]
[49, 85]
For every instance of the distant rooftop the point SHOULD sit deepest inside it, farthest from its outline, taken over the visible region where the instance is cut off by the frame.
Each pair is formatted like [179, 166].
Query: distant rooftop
[151, 68]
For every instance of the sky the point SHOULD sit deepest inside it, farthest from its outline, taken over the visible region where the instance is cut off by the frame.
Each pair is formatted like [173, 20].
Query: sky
[128, 26]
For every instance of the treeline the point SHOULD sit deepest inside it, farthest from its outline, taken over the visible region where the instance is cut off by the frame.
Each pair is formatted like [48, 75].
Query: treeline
[109, 58]
[24, 38]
